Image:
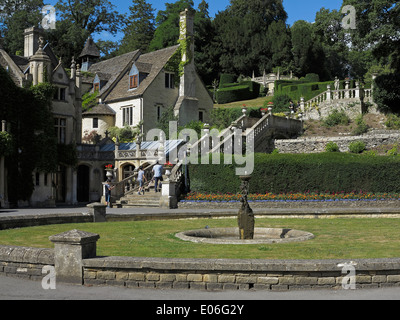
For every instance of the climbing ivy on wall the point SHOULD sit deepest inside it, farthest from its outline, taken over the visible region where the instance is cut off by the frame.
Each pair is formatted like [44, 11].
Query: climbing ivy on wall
[176, 64]
[28, 112]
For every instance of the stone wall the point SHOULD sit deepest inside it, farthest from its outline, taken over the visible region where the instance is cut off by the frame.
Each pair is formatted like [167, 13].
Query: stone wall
[203, 274]
[372, 139]
[24, 262]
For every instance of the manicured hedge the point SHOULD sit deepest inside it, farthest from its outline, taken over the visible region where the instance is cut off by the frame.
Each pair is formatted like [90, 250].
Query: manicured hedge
[283, 173]
[231, 92]
[307, 90]
[226, 78]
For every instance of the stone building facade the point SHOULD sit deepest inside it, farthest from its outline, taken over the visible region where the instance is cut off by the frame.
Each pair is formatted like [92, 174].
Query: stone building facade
[37, 65]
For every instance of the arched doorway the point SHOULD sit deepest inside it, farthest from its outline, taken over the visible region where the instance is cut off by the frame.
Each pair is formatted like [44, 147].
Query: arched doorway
[128, 170]
[83, 184]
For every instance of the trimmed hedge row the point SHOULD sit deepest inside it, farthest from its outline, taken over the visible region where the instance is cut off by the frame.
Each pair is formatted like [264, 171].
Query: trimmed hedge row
[307, 90]
[284, 173]
[245, 90]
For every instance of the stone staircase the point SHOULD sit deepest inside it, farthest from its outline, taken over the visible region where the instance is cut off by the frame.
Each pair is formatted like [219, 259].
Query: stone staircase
[149, 199]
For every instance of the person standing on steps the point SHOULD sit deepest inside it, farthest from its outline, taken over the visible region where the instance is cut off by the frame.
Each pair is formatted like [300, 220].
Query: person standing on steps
[108, 187]
[141, 179]
[157, 170]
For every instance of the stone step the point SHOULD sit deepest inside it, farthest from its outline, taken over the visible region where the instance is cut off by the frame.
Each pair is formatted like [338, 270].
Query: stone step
[149, 199]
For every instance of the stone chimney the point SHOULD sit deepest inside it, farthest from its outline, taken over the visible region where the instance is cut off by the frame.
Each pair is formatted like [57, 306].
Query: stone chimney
[40, 65]
[32, 36]
[187, 105]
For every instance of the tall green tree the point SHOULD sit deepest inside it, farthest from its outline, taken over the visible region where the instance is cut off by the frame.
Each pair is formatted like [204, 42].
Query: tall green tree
[79, 19]
[241, 31]
[279, 46]
[204, 33]
[167, 23]
[15, 17]
[328, 31]
[307, 52]
[140, 27]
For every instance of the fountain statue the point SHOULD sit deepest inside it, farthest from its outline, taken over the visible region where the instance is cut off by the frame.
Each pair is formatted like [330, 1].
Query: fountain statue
[245, 216]
[247, 233]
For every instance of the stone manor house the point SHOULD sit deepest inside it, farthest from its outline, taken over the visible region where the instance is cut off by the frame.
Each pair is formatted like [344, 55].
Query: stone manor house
[132, 88]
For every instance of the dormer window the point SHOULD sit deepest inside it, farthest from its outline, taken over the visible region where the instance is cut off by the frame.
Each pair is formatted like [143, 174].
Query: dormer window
[133, 77]
[96, 83]
[133, 81]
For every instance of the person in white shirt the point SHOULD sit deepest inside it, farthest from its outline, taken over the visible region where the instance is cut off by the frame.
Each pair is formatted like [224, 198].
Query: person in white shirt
[141, 178]
[157, 170]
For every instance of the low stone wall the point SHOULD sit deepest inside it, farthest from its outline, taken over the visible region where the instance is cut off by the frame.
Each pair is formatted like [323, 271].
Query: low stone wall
[24, 262]
[318, 144]
[203, 274]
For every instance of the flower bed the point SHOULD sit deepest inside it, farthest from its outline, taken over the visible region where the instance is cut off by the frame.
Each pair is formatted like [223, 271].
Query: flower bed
[291, 196]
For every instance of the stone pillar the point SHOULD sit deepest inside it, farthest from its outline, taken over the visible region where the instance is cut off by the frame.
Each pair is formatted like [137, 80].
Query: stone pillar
[99, 211]
[329, 93]
[347, 87]
[168, 198]
[70, 248]
[302, 105]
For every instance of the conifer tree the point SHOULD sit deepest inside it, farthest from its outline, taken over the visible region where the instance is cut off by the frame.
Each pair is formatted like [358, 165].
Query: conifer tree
[140, 27]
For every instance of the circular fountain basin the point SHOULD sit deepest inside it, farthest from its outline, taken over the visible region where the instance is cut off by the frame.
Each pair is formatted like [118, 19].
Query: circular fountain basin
[231, 236]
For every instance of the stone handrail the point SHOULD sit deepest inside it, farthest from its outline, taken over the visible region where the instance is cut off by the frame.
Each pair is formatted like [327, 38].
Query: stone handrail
[127, 185]
[329, 95]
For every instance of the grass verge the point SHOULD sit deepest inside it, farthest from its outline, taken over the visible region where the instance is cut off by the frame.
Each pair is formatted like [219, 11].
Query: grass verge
[334, 239]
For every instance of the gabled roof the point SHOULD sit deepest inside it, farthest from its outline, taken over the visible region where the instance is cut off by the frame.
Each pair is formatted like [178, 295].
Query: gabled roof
[110, 70]
[99, 110]
[117, 87]
[90, 49]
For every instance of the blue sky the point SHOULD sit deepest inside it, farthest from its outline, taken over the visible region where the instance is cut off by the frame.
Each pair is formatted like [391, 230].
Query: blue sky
[296, 9]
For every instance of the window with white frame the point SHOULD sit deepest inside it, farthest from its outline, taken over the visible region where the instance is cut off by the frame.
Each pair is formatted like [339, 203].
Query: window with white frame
[127, 116]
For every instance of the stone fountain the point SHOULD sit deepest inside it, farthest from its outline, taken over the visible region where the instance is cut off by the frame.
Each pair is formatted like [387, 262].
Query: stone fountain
[246, 233]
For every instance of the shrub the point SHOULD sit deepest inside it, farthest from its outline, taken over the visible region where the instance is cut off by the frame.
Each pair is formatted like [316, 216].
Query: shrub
[357, 147]
[312, 77]
[361, 128]
[281, 103]
[226, 78]
[393, 122]
[336, 118]
[331, 147]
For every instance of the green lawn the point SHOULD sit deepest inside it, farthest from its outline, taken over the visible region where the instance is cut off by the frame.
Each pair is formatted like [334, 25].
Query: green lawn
[253, 103]
[334, 239]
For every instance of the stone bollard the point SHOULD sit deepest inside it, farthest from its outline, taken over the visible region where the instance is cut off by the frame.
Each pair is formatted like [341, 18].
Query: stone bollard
[98, 210]
[168, 198]
[70, 248]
